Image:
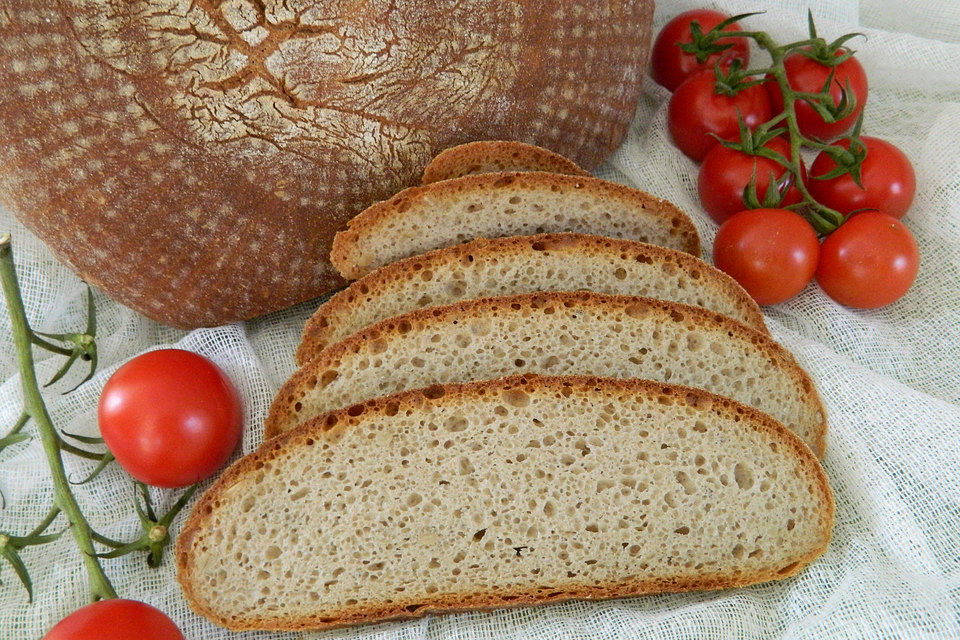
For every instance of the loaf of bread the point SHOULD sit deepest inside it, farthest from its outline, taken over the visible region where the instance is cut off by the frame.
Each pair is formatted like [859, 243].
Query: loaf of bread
[502, 493]
[194, 159]
[494, 156]
[559, 333]
[526, 264]
[495, 205]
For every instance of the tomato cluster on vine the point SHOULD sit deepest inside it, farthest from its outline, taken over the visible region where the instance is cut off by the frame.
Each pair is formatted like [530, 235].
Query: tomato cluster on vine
[747, 128]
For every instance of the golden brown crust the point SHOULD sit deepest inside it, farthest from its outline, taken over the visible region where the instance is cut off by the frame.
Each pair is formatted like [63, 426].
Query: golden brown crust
[506, 155]
[329, 427]
[194, 159]
[282, 409]
[369, 221]
[316, 332]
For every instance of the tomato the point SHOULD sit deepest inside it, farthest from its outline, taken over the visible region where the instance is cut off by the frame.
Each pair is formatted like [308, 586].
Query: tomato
[886, 174]
[170, 417]
[772, 253]
[697, 110]
[869, 261]
[804, 74]
[671, 65]
[115, 620]
[725, 173]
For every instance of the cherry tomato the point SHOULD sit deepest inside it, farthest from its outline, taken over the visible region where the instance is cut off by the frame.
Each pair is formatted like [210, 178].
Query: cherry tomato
[804, 74]
[170, 417]
[697, 109]
[886, 174]
[869, 261]
[772, 253]
[115, 620]
[671, 65]
[725, 173]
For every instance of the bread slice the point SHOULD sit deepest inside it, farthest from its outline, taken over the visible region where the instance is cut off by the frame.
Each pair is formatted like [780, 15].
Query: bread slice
[492, 156]
[558, 333]
[502, 493]
[526, 264]
[495, 205]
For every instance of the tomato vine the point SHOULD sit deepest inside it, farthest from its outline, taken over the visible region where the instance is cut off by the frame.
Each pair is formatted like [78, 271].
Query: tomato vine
[823, 218]
[76, 347]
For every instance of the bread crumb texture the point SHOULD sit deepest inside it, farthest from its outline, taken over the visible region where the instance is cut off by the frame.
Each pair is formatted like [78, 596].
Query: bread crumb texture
[500, 493]
[193, 159]
[526, 264]
[495, 205]
[559, 333]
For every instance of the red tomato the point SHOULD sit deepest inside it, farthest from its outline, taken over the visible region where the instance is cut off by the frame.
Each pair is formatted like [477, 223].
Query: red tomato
[671, 66]
[170, 417]
[886, 174]
[772, 253]
[869, 261]
[115, 620]
[725, 173]
[697, 110]
[804, 74]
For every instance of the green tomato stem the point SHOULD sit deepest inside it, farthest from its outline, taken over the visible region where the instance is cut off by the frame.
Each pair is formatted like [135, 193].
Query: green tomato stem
[100, 586]
[823, 219]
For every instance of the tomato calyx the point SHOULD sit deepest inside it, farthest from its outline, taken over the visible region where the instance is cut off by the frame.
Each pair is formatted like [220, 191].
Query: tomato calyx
[830, 54]
[774, 195]
[11, 546]
[753, 142]
[822, 102]
[731, 78]
[156, 530]
[703, 45]
[848, 160]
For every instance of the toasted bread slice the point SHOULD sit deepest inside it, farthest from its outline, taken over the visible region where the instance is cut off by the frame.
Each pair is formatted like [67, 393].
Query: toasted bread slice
[558, 333]
[492, 156]
[495, 205]
[526, 264]
[501, 493]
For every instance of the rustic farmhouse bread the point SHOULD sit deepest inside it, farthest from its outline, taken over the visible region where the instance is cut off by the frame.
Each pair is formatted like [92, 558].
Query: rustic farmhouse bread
[525, 264]
[558, 333]
[492, 205]
[194, 159]
[502, 493]
[493, 156]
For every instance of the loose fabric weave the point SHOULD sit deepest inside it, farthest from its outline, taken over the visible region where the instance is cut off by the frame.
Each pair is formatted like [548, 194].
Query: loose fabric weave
[890, 380]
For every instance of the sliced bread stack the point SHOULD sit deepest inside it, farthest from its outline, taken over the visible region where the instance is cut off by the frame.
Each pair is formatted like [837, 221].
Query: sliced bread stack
[520, 399]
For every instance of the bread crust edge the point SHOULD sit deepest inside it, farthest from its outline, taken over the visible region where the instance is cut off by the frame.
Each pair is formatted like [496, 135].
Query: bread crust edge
[345, 243]
[316, 334]
[448, 164]
[331, 425]
[280, 413]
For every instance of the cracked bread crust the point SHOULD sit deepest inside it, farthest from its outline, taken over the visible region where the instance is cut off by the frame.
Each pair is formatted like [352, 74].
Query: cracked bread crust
[442, 214]
[494, 156]
[500, 266]
[482, 338]
[327, 430]
[194, 159]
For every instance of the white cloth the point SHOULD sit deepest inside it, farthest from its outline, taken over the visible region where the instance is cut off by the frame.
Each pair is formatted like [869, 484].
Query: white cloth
[890, 380]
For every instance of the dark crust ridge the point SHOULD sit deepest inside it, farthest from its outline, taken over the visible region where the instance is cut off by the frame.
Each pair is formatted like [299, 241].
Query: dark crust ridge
[332, 425]
[508, 155]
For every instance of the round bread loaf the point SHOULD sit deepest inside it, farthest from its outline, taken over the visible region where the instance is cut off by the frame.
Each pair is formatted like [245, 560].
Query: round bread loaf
[194, 159]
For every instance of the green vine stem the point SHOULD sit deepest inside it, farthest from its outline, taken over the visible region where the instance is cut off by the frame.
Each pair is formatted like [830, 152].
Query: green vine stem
[824, 219]
[34, 407]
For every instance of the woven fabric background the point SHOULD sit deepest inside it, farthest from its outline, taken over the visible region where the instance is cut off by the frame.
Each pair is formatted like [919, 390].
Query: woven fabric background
[890, 380]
